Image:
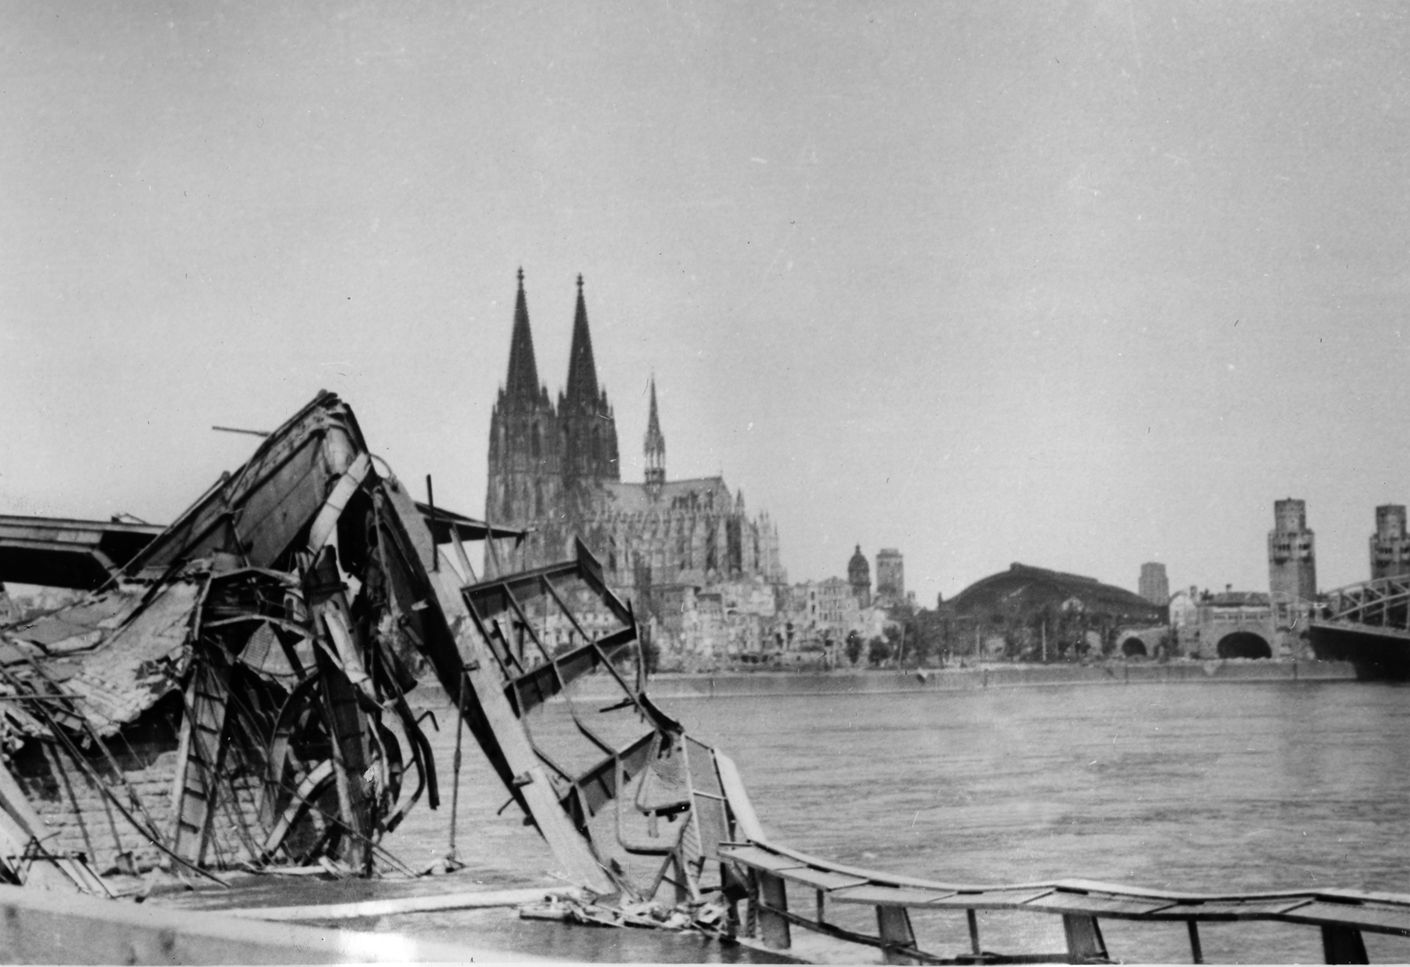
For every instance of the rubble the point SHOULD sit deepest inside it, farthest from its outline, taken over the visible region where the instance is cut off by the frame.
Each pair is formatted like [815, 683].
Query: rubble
[234, 694]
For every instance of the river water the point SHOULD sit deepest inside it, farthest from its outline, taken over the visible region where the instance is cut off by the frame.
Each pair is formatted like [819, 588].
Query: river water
[1225, 786]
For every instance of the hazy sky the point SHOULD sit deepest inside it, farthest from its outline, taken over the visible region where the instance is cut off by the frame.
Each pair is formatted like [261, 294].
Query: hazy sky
[1075, 284]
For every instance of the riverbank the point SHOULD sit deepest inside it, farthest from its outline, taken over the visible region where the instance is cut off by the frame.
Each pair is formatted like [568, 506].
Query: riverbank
[857, 681]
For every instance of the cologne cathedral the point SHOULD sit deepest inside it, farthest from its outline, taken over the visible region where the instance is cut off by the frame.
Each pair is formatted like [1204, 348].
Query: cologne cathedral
[554, 472]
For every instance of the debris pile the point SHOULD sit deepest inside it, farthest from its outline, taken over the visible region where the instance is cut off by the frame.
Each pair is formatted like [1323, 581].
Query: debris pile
[634, 807]
[234, 696]
[231, 694]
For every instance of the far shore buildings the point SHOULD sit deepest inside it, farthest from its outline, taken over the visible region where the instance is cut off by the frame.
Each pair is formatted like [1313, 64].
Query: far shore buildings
[1040, 614]
[703, 573]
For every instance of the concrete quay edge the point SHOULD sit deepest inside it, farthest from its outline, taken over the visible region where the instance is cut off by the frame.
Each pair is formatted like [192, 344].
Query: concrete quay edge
[998, 675]
[40, 926]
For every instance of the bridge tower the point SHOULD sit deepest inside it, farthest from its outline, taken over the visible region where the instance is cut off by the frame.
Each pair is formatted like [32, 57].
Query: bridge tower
[1390, 546]
[1292, 559]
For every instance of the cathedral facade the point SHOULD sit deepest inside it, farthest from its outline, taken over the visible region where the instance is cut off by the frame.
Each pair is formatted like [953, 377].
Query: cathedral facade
[554, 472]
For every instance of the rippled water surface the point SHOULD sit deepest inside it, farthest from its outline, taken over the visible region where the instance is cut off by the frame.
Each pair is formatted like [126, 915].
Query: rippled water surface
[1205, 788]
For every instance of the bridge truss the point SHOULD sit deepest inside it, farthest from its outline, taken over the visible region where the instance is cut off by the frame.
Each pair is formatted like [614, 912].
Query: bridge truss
[1382, 603]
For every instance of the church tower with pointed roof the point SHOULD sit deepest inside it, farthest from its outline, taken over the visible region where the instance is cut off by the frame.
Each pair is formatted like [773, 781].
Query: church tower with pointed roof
[525, 473]
[655, 449]
[589, 429]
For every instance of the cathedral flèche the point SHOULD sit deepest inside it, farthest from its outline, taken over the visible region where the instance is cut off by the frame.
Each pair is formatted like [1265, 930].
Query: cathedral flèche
[554, 472]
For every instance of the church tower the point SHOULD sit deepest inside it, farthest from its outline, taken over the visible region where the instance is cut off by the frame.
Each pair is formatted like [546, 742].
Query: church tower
[589, 430]
[655, 450]
[524, 470]
[859, 577]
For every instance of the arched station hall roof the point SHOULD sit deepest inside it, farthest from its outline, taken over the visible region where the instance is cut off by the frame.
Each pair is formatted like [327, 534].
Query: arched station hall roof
[1024, 588]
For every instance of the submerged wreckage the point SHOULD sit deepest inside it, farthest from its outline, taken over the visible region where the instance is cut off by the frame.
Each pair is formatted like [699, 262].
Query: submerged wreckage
[231, 694]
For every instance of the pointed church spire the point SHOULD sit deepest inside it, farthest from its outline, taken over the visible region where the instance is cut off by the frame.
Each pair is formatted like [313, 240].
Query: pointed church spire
[523, 380]
[583, 390]
[655, 449]
[589, 429]
[655, 441]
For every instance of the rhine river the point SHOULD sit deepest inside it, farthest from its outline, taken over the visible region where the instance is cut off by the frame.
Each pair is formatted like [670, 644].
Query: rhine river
[1200, 787]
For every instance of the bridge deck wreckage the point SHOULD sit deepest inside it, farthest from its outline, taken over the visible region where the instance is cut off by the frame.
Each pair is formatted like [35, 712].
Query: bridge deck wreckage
[231, 694]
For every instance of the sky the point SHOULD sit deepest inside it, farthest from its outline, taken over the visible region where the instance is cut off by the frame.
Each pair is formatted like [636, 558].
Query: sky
[1078, 284]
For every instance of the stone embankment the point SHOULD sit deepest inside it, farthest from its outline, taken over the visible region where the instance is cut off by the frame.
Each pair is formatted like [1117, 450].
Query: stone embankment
[854, 681]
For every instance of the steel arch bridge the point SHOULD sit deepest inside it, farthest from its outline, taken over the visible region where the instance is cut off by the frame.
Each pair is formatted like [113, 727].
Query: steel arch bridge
[1382, 603]
[1367, 624]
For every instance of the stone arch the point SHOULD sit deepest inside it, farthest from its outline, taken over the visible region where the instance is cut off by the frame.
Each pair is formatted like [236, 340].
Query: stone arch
[1244, 644]
[1134, 647]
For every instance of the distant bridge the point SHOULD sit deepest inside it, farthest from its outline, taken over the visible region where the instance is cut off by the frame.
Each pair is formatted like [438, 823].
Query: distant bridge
[1368, 625]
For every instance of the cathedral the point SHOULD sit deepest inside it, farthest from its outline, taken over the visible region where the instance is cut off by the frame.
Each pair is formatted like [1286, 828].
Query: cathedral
[554, 472]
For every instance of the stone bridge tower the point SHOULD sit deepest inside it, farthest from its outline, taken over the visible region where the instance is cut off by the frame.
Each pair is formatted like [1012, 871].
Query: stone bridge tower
[1292, 559]
[1390, 547]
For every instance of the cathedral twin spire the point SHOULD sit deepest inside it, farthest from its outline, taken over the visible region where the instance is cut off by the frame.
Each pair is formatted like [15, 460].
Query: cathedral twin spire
[583, 390]
[576, 442]
[539, 453]
[589, 428]
[523, 380]
[583, 394]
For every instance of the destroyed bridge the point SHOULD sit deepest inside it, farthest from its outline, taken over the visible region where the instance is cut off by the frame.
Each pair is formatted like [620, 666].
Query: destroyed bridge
[230, 693]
